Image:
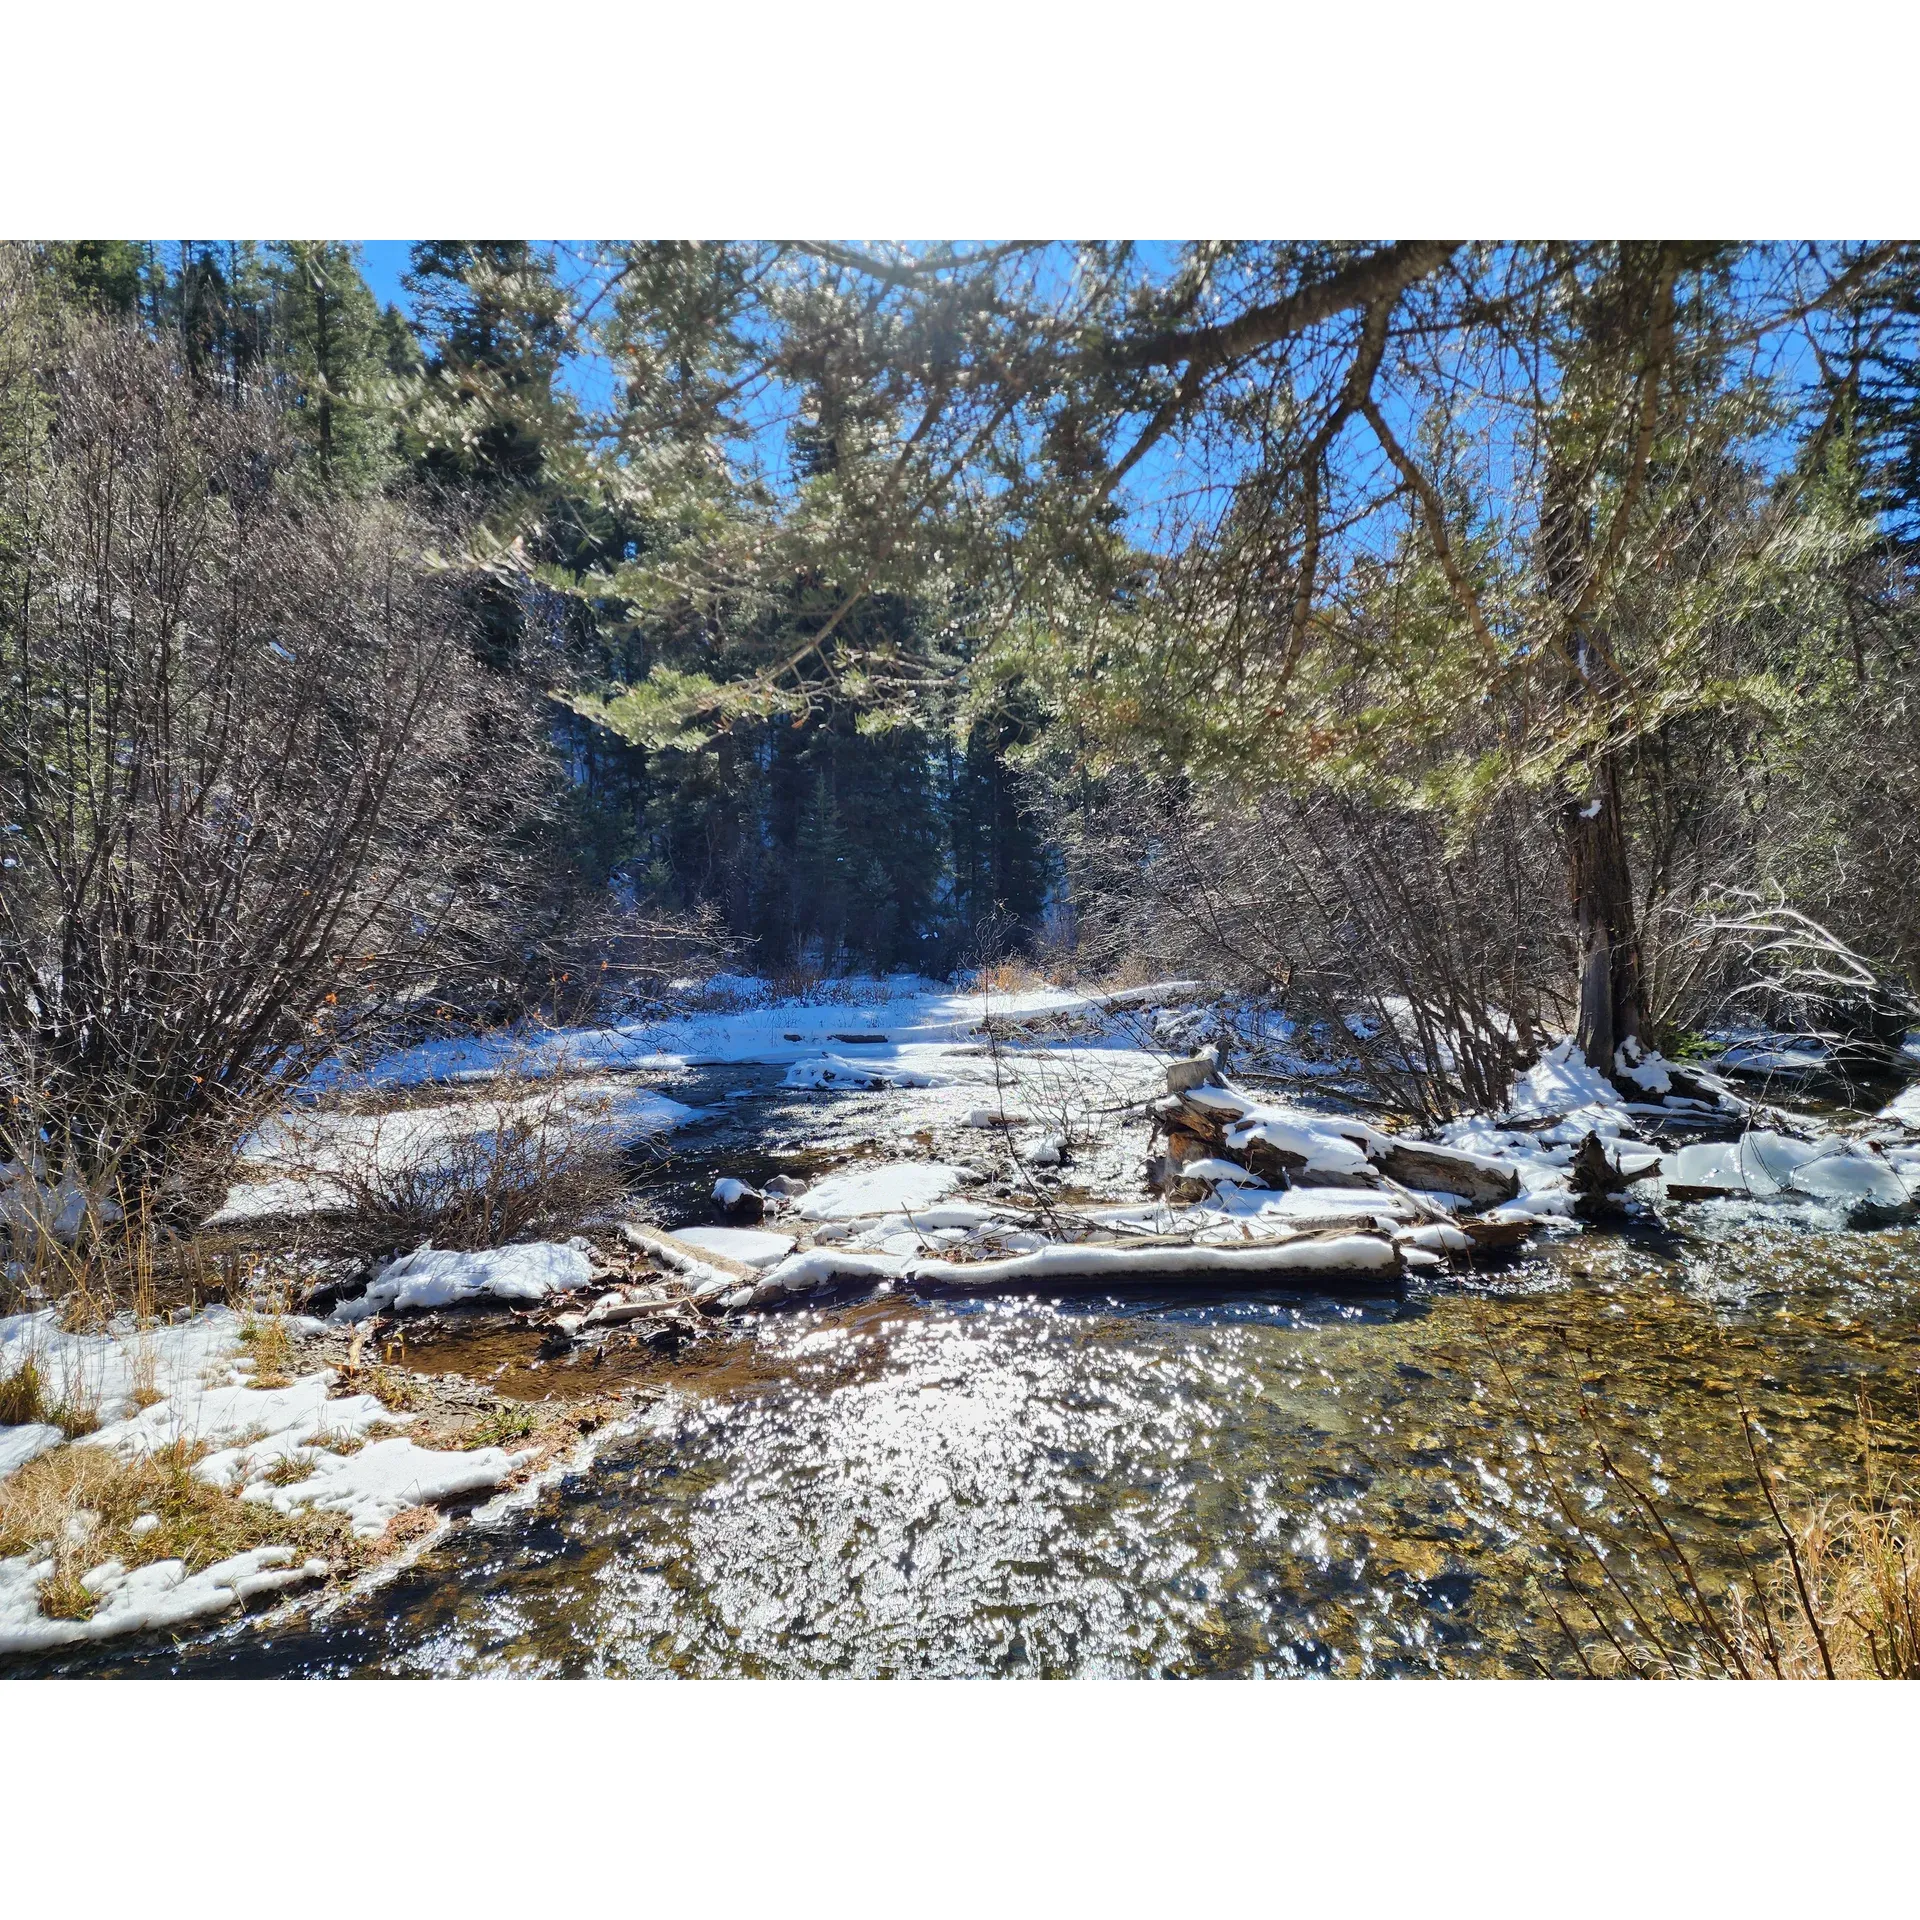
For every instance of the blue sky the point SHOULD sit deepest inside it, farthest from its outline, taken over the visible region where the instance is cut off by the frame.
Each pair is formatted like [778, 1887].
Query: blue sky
[383, 262]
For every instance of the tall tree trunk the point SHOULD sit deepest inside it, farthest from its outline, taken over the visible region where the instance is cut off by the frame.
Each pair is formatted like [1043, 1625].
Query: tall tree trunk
[1600, 889]
[1612, 987]
[1577, 566]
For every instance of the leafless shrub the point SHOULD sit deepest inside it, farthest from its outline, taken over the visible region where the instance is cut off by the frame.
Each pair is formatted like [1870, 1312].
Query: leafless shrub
[1429, 966]
[1796, 974]
[256, 793]
[530, 1161]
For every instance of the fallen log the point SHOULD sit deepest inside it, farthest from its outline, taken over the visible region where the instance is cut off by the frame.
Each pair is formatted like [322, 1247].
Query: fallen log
[1354, 1259]
[1495, 1236]
[682, 1255]
[1478, 1180]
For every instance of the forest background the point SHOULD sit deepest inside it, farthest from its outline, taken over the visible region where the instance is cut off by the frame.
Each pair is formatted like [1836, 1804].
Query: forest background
[1462, 643]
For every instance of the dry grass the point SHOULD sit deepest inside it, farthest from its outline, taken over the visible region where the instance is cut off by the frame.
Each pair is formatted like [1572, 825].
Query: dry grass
[1847, 1604]
[265, 1335]
[23, 1401]
[80, 1503]
[1011, 976]
[128, 1265]
[501, 1426]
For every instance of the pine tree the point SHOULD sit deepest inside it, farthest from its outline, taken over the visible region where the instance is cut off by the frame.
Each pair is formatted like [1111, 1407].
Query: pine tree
[493, 321]
[335, 349]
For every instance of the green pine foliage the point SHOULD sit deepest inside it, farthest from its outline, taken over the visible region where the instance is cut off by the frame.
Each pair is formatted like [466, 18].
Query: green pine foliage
[341, 356]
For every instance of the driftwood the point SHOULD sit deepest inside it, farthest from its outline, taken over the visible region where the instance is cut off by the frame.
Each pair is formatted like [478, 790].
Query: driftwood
[1495, 1236]
[1598, 1182]
[1418, 1163]
[1196, 1132]
[682, 1254]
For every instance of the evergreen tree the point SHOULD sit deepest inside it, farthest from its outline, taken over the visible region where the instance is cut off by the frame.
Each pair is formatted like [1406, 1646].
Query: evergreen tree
[108, 276]
[336, 350]
[1001, 868]
[494, 323]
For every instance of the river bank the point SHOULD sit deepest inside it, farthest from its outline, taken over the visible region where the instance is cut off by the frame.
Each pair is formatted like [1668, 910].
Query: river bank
[1127, 1479]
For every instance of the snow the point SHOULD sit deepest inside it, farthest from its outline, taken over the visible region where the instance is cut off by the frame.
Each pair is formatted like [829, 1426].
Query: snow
[1220, 1173]
[1853, 1179]
[1903, 1109]
[1647, 1071]
[102, 1371]
[748, 1245]
[1355, 1253]
[905, 1012]
[18, 1445]
[1759, 1162]
[1437, 1236]
[1326, 1143]
[1323, 1150]
[206, 1400]
[31, 1206]
[1762, 1059]
[1765, 1165]
[830, 1071]
[900, 1187]
[148, 1599]
[430, 1278]
[386, 1477]
[730, 1193]
[1560, 1084]
[822, 1267]
[265, 1425]
[304, 1162]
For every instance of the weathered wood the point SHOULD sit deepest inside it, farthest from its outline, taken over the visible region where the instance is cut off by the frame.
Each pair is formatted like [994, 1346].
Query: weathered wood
[1494, 1236]
[1184, 1075]
[682, 1253]
[1598, 1182]
[1418, 1163]
[1185, 1143]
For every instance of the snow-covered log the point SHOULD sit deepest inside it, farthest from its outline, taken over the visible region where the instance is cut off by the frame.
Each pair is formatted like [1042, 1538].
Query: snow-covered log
[1355, 1257]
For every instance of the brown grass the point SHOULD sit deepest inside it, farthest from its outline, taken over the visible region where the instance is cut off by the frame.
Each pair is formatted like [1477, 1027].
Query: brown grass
[22, 1397]
[25, 1401]
[501, 1426]
[1846, 1606]
[80, 1503]
[267, 1339]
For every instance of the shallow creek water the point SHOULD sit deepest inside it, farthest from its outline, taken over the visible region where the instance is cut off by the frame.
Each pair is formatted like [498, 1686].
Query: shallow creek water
[1283, 1484]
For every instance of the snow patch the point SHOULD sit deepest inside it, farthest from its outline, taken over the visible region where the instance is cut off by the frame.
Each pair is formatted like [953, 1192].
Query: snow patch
[441, 1278]
[386, 1477]
[148, 1599]
[830, 1071]
[899, 1188]
[748, 1245]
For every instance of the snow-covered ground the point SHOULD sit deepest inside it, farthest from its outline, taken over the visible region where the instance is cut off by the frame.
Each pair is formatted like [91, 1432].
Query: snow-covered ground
[306, 1161]
[904, 1019]
[192, 1383]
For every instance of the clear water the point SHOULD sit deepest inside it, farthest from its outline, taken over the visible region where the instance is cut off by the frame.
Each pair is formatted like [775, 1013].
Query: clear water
[1281, 1485]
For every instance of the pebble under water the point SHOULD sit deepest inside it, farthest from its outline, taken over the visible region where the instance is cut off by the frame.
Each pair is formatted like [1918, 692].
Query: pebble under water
[1284, 1484]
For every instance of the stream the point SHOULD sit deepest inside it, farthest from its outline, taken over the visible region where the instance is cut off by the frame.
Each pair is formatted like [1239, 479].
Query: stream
[1144, 1483]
